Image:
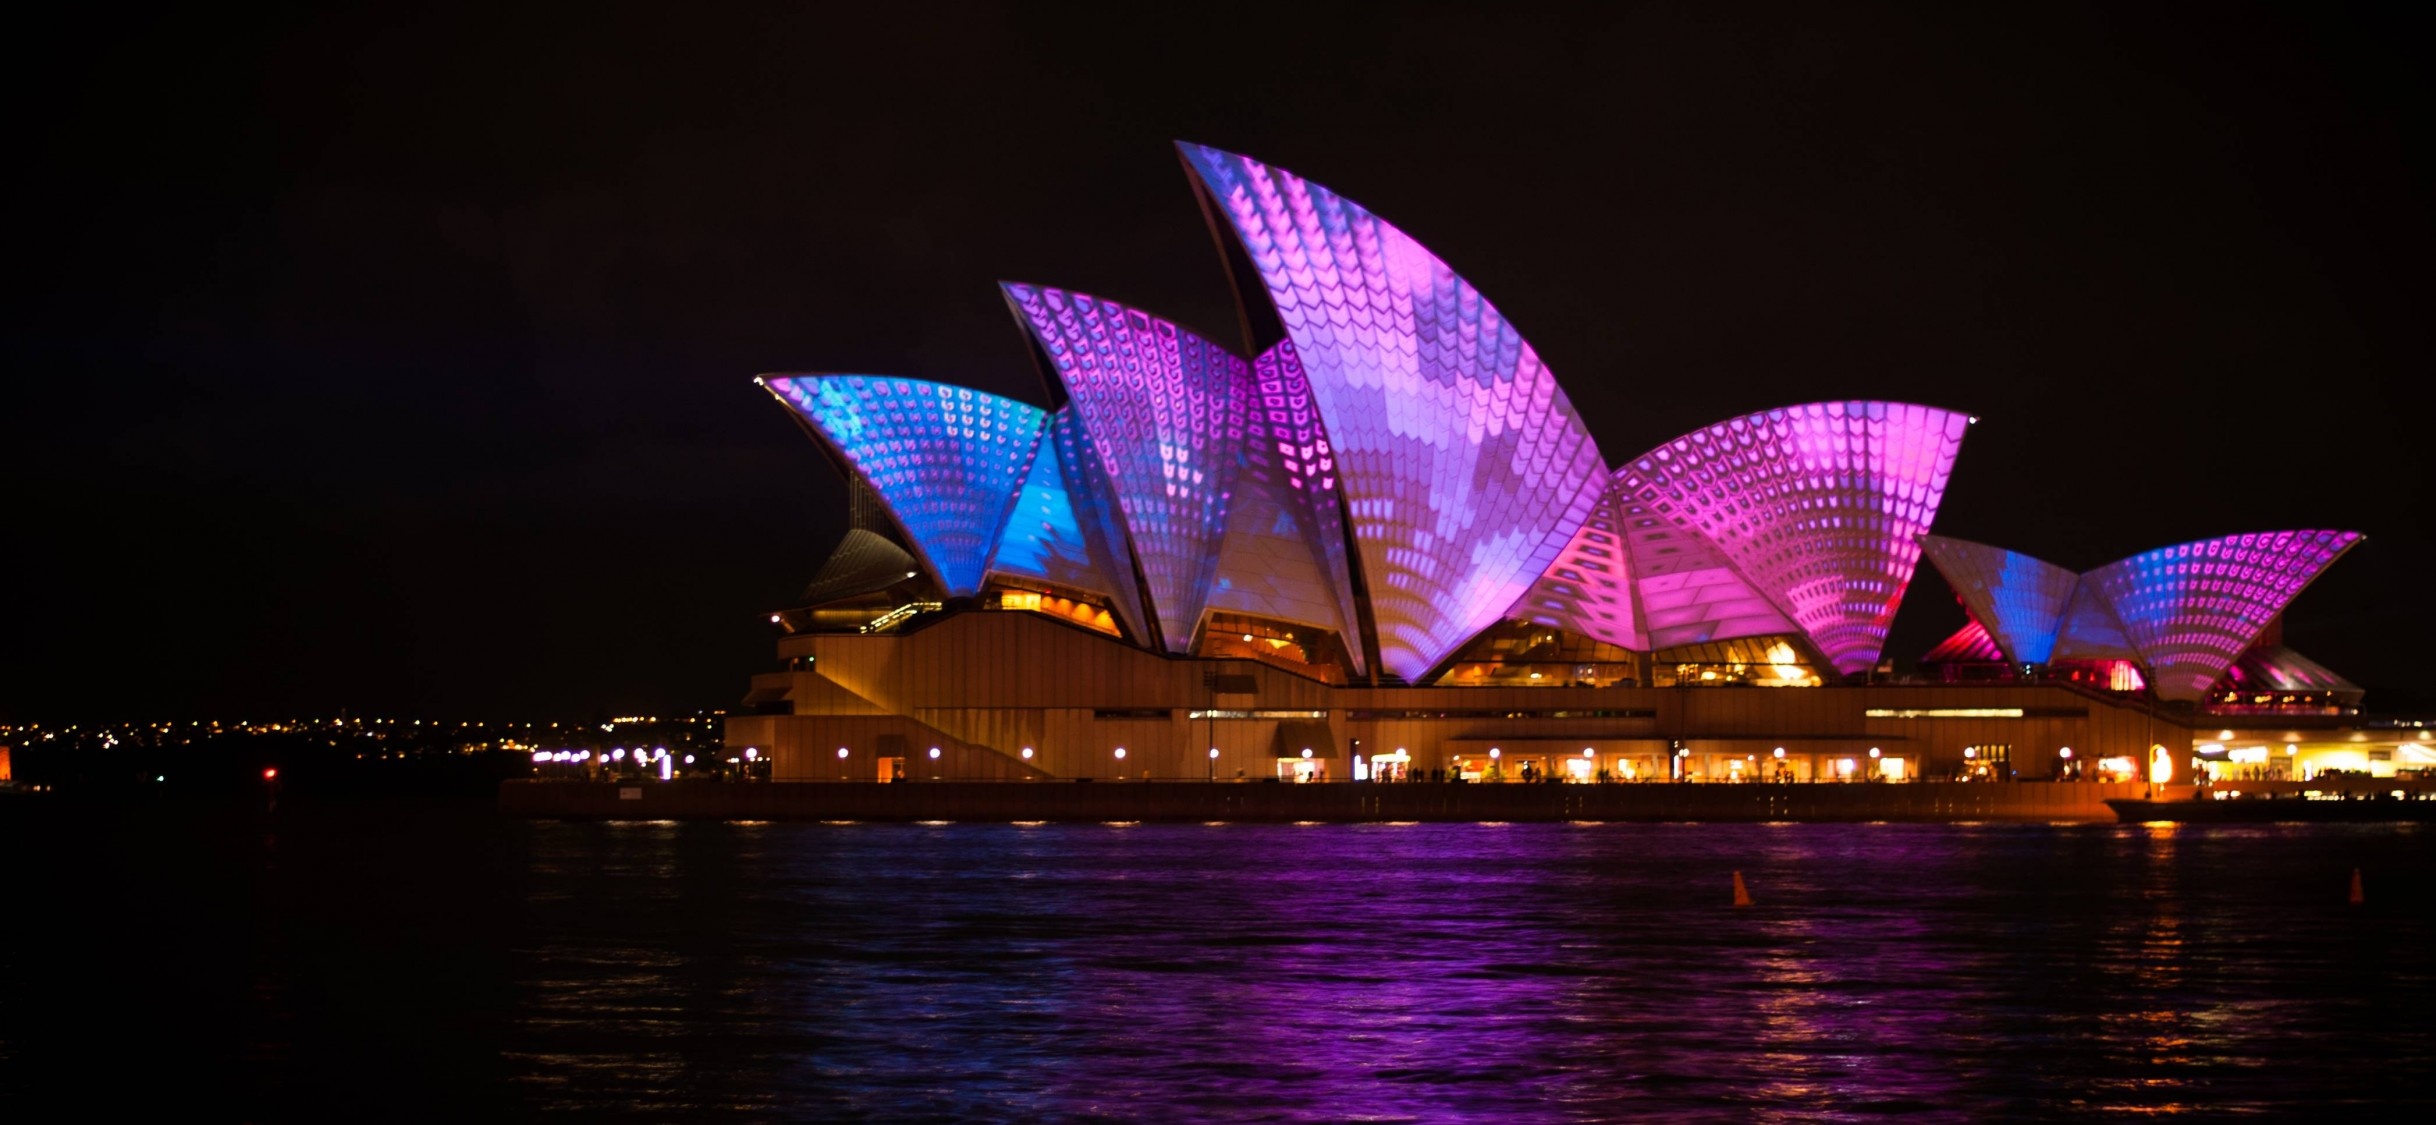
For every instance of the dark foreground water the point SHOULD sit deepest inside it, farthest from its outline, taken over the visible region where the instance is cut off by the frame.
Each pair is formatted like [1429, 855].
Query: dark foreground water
[422, 961]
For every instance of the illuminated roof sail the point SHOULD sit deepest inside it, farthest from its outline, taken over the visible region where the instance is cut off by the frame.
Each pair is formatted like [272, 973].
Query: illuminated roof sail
[1047, 537]
[1463, 463]
[2192, 608]
[1819, 507]
[945, 460]
[1164, 410]
[2019, 600]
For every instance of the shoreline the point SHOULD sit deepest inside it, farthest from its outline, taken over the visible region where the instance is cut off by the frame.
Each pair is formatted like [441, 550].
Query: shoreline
[1337, 802]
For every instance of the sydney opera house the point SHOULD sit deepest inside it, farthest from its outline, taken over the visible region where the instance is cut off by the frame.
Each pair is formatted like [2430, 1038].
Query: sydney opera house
[1372, 539]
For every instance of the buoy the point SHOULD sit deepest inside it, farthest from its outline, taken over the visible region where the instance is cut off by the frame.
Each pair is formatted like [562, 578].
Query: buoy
[1742, 894]
[2356, 896]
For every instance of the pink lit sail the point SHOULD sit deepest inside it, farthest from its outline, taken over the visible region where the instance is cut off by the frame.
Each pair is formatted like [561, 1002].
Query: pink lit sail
[1688, 593]
[945, 460]
[1970, 644]
[1819, 507]
[1165, 411]
[1464, 466]
[2191, 609]
[1587, 591]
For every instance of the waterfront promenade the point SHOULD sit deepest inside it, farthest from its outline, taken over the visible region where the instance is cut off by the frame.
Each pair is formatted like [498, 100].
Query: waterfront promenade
[1342, 802]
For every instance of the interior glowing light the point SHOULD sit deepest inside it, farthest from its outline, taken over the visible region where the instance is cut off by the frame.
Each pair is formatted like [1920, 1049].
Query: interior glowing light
[2160, 765]
[1121, 752]
[841, 751]
[1844, 767]
[541, 755]
[689, 759]
[1027, 752]
[934, 753]
[1213, 751]
[2066, 752]
[751, 753]
[1493, 752]
[1247, 638]
[1306, 751]
[1780, 752]
[270, 773]
[1873, 751]
[1587, 752]
[1943, 713]
[2224, 734]
[664, 769]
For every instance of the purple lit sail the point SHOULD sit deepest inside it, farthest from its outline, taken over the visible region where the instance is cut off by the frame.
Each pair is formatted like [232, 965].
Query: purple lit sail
[1688, 593]
[1164, 409]
[945, 460]
[1463, 463]
[2191, 609]
[2018, 599]
[1818, 506]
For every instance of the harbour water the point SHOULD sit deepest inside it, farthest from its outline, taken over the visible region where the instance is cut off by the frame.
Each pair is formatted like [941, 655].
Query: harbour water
[418, 959]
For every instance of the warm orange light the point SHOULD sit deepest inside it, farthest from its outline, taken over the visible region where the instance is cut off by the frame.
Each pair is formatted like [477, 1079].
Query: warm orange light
[2160, 765]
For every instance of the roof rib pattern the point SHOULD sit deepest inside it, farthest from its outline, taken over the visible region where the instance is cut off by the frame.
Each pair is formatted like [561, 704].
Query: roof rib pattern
[1819, 507]
[1165, 411]
[1463, 463]
[2192, 608]
[2019, 600]
[945, 460]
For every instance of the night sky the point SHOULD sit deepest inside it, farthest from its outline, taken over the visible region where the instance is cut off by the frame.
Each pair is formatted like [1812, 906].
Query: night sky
[401, 361]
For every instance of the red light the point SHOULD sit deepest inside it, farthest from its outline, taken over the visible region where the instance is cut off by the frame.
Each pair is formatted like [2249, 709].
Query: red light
[271, 774]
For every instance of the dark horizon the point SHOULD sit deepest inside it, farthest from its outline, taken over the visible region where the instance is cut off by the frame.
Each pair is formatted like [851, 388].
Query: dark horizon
[400, 361]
